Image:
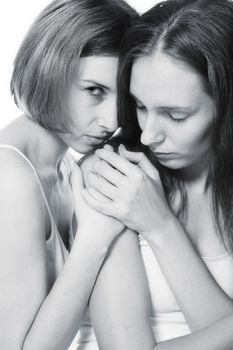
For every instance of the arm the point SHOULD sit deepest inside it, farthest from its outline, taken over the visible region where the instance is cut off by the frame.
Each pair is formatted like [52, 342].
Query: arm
[218, 336]
[31, 317]
[120, 304]
[201, 299]
[119, 308]
[139, 201]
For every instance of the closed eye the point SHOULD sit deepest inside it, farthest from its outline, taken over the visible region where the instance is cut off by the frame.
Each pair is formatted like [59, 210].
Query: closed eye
[173, 118]
[140, 106]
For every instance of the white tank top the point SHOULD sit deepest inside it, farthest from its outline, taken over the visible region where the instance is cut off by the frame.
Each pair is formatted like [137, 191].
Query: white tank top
[57, 253]
[167, 319]
[56, 250]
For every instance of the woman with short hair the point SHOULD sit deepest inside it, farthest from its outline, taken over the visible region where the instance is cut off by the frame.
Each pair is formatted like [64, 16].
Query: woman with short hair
[64, 80]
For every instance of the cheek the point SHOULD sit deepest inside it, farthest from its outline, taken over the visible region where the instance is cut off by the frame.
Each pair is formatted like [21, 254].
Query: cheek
[78, 108]
[141, 120]
[194, 137]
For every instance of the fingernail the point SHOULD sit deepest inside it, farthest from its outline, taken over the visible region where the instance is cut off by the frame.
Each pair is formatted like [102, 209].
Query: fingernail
[108, 147]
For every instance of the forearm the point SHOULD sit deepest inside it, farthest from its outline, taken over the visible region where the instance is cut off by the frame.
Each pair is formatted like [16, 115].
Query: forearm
[218, 336]
[120, 314]
[191, 282]
[120, 304]
[62, 311]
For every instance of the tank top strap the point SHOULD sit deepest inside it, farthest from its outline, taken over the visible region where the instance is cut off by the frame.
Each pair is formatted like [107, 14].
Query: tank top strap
[15, 149]
[68, 163]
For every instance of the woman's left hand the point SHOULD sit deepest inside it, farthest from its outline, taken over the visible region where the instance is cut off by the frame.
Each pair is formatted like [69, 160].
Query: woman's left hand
[134, 188]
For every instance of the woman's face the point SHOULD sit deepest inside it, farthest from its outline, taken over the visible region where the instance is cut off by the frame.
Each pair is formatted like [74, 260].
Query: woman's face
[92, 103]
[174, 112]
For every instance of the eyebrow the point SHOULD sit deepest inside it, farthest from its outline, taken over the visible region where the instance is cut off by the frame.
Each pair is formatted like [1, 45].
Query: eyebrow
[91, 81]
[174, 109]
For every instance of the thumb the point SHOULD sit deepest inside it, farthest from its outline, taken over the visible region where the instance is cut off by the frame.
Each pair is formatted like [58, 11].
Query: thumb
[141, 160]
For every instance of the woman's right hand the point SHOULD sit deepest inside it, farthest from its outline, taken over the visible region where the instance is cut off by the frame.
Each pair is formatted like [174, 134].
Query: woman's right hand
[94, 227]
[134, 191]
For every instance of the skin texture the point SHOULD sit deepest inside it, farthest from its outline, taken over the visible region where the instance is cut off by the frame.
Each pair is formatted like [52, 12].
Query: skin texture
[176, 117]
[92, 103]
[174, 112]
[47, 314]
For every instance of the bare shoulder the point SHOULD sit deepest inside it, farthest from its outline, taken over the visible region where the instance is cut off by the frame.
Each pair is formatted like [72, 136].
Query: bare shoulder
[23, 258]
[16, 175]
[20, 193]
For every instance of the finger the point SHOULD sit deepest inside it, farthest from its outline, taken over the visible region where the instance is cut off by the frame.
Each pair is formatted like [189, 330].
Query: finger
[98, 196]
[142, 161]
[118, 162]
[109, 173]
[108, 147]
[86, 167]
[102, 186]
[100, 206]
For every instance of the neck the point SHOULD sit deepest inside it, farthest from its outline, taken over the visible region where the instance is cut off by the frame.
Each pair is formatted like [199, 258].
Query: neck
[44, 148]
[196, 174]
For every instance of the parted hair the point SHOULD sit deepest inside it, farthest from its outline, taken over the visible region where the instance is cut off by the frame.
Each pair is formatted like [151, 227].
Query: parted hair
[49, 54]
[198, 33]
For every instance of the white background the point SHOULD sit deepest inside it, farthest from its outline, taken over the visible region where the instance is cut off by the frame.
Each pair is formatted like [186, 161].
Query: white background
[15, 18]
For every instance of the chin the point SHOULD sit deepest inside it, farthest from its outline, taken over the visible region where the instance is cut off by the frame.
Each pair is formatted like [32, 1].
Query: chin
[171, 163]
[83, 148]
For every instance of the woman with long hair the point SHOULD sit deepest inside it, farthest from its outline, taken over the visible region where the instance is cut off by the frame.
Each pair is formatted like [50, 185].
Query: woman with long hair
[171, 182]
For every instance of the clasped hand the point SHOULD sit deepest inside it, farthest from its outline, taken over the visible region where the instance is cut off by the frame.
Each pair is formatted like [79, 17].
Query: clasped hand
[92, 225]
[131, 190]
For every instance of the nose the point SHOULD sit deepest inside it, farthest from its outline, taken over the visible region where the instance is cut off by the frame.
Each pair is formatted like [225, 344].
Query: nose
[107, 118]
[152, 132]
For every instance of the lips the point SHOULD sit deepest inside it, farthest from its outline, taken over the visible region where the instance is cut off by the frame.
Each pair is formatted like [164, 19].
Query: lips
[101, 137]
[97, 137]
[97, 140]
[161, 155]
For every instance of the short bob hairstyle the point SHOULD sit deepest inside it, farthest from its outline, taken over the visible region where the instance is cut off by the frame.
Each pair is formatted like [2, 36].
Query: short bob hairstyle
[47, 59]
[198, 33]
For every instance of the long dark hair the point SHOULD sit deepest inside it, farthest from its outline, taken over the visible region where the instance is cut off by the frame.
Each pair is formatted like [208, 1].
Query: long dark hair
[199, 33]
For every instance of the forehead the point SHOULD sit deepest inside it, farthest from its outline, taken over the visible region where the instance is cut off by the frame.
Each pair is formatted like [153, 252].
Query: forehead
[101, 69]
[165, 79]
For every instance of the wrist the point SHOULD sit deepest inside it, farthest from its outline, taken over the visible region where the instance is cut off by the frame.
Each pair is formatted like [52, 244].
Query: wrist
[160, 235]
[92, 243]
